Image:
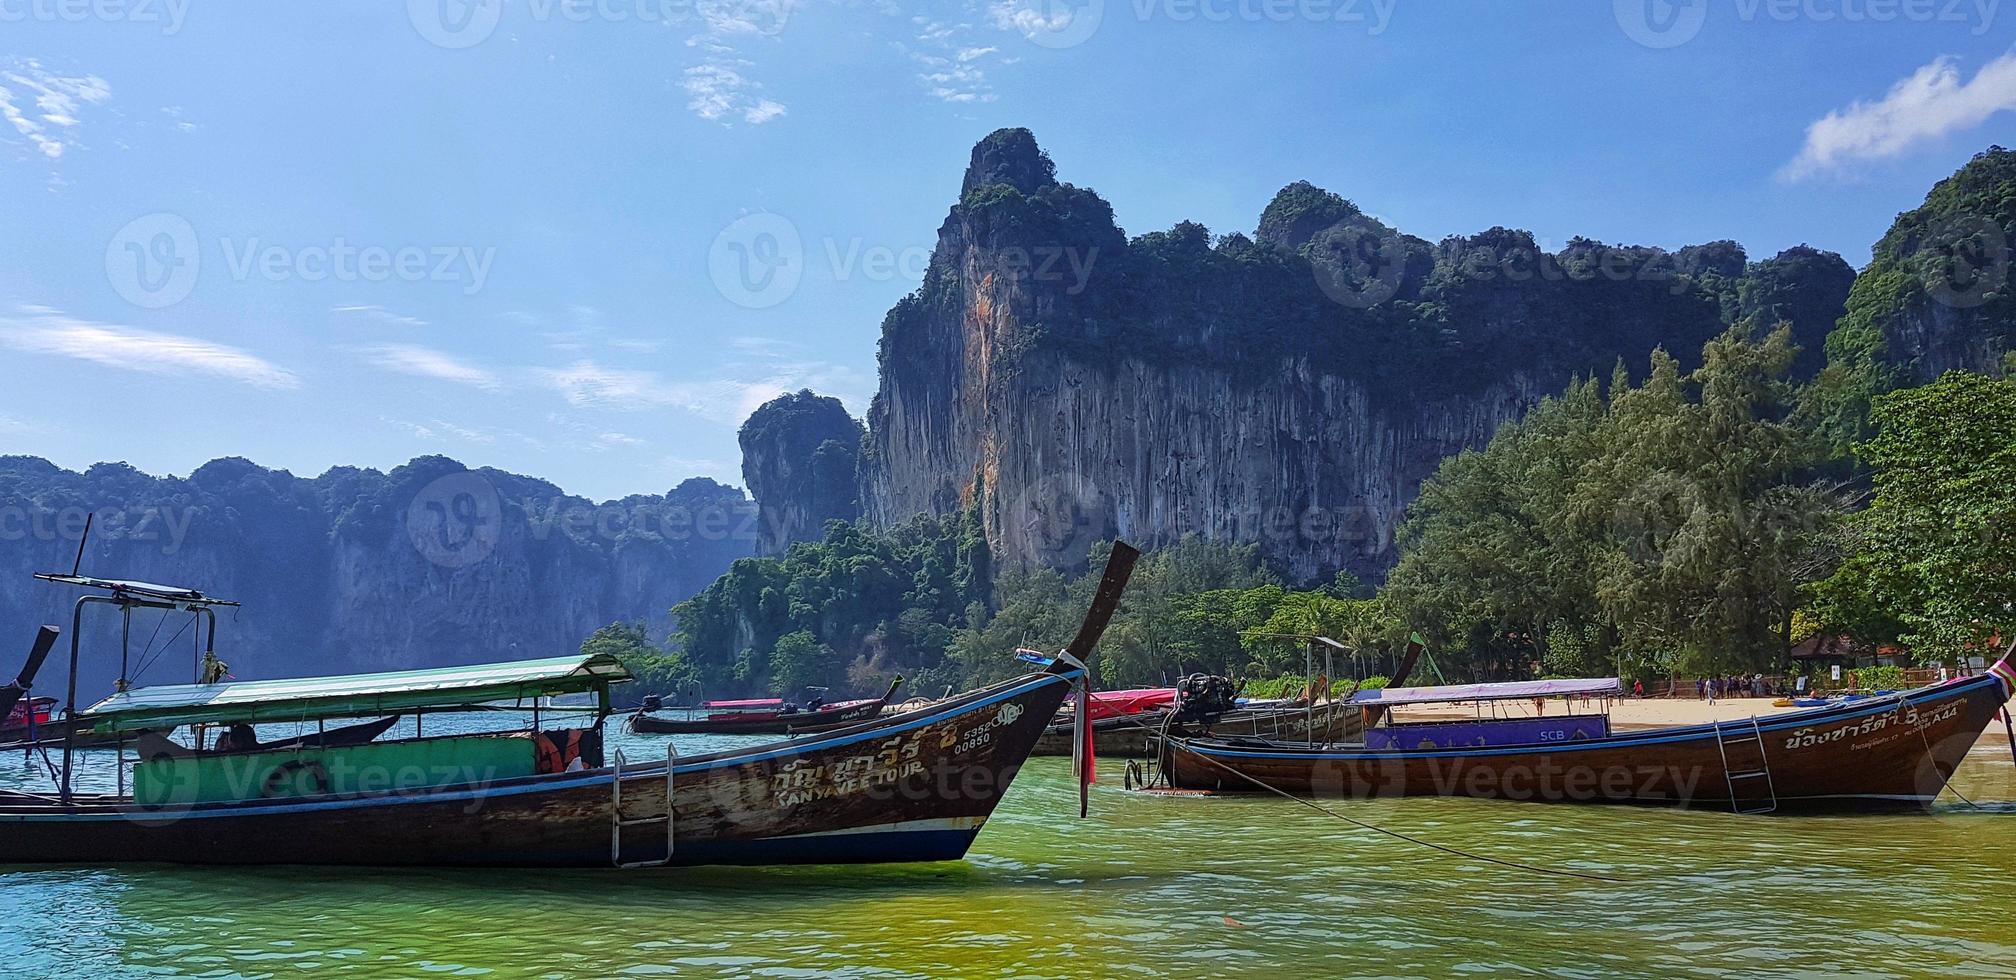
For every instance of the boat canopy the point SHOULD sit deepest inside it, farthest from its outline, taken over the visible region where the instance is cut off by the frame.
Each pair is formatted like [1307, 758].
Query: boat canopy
[127, 589]
[1604, 686]
[353, 695]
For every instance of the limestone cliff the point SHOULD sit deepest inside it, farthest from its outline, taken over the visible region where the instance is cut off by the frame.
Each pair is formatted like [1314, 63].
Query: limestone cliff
[1937, 295]
[431, 563]
[1291, 388]
[799, 456]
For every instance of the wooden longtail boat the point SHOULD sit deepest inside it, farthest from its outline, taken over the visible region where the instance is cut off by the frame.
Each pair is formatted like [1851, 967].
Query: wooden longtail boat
[1131, 735]
[772, 718]
[1895, 752]
[911, 787]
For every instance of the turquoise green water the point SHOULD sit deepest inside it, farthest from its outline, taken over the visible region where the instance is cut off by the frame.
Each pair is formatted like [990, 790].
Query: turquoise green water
[1148, 886]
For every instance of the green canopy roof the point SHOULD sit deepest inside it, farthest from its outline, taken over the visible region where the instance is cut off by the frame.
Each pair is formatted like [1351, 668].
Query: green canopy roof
[352, 696]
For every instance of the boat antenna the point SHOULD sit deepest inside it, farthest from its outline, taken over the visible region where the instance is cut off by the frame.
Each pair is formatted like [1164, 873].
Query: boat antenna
[78, 565]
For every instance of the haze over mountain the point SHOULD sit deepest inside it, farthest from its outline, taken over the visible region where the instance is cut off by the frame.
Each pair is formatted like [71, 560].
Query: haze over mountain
[353, 570]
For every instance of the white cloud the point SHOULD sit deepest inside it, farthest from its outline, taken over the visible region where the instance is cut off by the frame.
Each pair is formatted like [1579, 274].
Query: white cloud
[614, 440]
[425, 362]
[46, 331]
[718, 88]
[380, 314]
[58, 100]
[951, 70]
[436, 429]
[1930, 104]
[636, 345]
[718, 91]
[587, 384]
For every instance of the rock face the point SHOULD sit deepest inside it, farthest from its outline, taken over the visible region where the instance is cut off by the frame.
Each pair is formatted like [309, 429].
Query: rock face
[799, 456]
[1291, 388]
[432, 563]
[1938, 294]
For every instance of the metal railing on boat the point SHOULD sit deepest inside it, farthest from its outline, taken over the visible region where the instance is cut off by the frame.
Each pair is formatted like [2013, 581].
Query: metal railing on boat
[617, 821]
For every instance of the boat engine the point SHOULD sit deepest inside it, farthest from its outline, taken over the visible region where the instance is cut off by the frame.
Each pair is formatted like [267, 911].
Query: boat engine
[1202, 697]
[652, 702]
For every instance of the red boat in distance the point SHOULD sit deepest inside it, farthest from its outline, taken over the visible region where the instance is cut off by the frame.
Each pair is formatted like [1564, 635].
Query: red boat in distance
[1114, 704]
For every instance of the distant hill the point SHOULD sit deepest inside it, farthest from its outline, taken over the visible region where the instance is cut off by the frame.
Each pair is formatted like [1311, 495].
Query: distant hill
[432, 563]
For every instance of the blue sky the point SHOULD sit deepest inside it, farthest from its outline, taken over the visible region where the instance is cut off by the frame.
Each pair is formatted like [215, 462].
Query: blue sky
[349, 232]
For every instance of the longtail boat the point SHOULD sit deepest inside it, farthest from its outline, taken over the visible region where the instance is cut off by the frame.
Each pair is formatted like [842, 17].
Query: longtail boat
[765, 716]
[1131, 723]
[1895, 752]
[1132, 734]
[911, 787]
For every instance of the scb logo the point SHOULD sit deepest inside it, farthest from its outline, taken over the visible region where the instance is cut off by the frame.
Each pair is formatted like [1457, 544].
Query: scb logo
[456, 520]
[152, 261]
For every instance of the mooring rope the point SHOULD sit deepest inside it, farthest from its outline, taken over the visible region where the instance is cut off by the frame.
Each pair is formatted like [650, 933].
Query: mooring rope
[1931, 757]
[1444, 848]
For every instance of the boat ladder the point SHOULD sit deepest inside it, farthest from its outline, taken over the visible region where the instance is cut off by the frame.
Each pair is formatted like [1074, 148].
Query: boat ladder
[1735, 741]
[617, 821]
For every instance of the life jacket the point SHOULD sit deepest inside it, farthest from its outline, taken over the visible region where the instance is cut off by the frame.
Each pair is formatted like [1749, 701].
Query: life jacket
[557, 750]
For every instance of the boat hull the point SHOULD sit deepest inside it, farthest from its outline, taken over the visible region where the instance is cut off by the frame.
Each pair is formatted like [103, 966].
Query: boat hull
[913, 787]
[1896, 753]
[1133, 735]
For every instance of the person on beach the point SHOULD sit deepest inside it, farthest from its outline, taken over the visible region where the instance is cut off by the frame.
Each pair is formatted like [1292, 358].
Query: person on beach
[1638, 689]
[1711, 690]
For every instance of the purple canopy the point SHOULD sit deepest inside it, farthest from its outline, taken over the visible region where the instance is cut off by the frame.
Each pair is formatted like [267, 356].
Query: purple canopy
[1606, 686]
